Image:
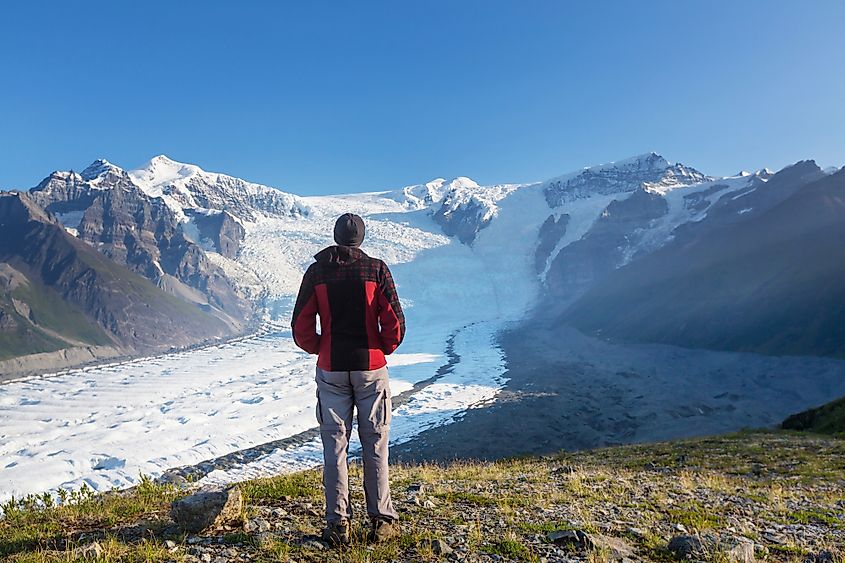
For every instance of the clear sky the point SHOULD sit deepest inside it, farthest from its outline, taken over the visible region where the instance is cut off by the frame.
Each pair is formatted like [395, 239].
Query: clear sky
[329, 97]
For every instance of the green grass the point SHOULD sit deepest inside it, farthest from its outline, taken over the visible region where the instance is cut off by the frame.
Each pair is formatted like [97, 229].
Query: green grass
[487, 509]
[35, 522]
[25, 340]
[694, 517]
[306, 484]
[510, 548]
[49, 310]
[826, 419]
[816, 517]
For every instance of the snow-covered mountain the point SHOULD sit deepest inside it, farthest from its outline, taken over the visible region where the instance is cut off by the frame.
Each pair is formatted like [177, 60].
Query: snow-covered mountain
[470, 262]
[187, 187]
[619, 177]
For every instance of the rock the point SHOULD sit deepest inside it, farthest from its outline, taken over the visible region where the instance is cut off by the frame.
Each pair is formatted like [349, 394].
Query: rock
[575, 538]
[416, 488]
[206, 509]
[730, 548]
[775, 537]
[636, 532]
[264, 538]
[257, 526]
[824, 556]
[440, 547]
[742, 550]
[170, 544]
[686, 547]
[314, 544]
[90, 551]
[279, 513]
[428, 504]
[615, 549]
[173, 478]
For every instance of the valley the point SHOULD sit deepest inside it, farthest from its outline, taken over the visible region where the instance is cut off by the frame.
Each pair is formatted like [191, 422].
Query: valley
[492, 278]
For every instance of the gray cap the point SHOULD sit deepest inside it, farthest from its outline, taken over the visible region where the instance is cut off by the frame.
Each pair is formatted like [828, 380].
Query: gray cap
[349, 230]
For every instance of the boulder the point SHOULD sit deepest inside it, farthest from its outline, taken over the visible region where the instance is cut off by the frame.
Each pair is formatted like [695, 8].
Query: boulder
[732, 549]
[206, 509]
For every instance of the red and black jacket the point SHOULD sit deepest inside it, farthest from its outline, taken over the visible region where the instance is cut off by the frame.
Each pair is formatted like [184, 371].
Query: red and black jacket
[361, 319]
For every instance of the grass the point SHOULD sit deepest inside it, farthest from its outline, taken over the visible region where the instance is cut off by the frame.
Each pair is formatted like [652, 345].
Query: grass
[511, 548]
[504, 509]
[51, 311]
[305, 484]
[36, 522]
[694, 517]
[826, 419]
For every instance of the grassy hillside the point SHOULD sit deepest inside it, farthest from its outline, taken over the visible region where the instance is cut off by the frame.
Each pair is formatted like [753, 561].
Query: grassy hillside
[779, 494]
[48, 311]
[68, 291]
[826, 419]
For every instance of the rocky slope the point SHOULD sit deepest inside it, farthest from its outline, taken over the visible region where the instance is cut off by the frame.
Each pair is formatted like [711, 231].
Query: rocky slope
[106, 209]
[624, 176]
[763, 271]
[61, 293]
[740, 497]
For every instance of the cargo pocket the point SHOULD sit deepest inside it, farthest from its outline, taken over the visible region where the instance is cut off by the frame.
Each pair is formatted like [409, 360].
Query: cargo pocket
[387, 408]
[319, 409]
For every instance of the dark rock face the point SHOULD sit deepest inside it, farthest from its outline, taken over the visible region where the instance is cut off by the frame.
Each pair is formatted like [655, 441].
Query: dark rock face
[758, 198]
[89, 298]
[63, 192]
[626, 176]
[463, 221]
[551, 231]
[222, 229]
[607, 244]
[763, 273]
[143, 233]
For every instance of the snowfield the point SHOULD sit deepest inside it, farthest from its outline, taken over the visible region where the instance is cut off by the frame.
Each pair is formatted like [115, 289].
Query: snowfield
[105, 426]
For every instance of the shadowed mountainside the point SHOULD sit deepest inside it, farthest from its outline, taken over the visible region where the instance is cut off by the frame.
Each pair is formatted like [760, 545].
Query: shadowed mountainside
[62, 293]
[764, 272]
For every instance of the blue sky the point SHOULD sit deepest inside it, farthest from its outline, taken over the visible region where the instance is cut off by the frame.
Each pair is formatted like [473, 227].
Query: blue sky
[329, 97]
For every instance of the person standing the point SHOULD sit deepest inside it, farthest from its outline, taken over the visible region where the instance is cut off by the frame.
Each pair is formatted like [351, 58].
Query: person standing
[361, 321]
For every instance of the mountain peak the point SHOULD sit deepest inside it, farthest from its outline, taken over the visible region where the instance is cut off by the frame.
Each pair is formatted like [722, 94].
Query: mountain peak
[621, 176]
[163, 165]
[100, 168]
[462, 182]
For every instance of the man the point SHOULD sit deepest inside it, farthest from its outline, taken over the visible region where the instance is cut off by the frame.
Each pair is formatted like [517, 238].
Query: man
[361, 321]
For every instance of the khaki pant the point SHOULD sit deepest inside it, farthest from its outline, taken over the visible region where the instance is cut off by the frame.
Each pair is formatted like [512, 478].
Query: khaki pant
[369, 392]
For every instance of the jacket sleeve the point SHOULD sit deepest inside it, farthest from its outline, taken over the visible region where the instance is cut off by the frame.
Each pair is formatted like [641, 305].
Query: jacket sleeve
[391, 318]
[304, 321]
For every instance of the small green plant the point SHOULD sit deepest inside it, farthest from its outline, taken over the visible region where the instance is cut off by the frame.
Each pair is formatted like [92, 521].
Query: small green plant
[511, 548]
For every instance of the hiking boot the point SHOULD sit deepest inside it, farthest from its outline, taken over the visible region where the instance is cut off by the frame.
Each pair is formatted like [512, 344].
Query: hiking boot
[337, 533]
[383, 530]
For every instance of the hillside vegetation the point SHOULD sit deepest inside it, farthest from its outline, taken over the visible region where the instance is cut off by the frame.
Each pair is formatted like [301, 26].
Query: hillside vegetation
[826, 419]
[770, 496]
